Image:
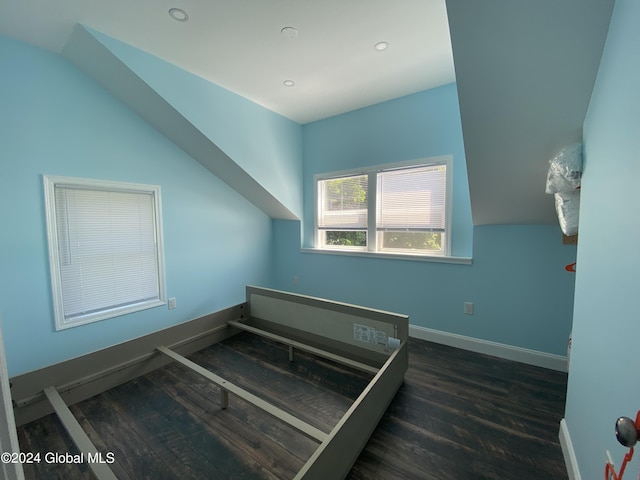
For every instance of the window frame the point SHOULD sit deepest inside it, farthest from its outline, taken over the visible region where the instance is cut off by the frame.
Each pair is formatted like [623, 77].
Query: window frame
[372, 233]
[319, 231]
[51, 182]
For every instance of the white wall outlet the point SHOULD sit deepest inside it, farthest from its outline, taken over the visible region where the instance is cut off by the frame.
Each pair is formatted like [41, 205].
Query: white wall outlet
[171, 303]
[468, 308]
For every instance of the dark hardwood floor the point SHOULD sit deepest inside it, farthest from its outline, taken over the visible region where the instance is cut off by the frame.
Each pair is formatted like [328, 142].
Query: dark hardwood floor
[458, 415]
[462, 415]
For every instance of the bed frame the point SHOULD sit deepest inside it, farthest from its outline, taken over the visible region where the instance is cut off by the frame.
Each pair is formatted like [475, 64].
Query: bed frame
[365, 339]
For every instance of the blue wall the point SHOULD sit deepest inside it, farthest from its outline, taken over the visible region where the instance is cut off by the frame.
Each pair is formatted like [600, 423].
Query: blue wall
[522, 294]
[603, 376]
[263, 143]
[54, 120]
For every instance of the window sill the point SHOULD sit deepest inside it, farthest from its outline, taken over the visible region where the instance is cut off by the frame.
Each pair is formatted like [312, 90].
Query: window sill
[392, 256]
[63, 324]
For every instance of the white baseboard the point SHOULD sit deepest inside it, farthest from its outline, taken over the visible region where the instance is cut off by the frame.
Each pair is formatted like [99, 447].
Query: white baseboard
[501, 350]
[567, 451]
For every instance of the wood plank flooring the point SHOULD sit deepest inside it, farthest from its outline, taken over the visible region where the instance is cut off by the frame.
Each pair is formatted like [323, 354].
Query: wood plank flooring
[459, 415]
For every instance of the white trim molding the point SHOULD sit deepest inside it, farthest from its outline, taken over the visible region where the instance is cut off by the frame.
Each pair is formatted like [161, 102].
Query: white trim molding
[501, 350]
[568, 453]
[9, 470]
[391, 256]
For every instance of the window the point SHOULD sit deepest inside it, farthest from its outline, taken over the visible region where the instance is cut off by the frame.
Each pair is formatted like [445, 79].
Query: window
[105, 248]
[342, 212]
[401, 208]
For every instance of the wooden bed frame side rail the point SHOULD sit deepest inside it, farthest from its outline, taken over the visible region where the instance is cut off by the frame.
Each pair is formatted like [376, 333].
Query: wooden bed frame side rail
[337, 454]
[88, 375]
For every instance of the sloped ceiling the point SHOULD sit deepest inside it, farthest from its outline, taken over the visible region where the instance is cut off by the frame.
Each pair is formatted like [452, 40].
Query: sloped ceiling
[96, 60]
[525, 71]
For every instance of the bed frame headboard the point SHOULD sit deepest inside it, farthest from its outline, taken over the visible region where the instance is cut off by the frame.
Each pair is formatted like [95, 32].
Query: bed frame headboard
[365, 328]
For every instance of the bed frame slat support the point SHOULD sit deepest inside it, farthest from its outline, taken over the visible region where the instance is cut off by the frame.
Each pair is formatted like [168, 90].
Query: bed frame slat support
[224, 398]
[302, 427]
[78, 435]
[305, 348]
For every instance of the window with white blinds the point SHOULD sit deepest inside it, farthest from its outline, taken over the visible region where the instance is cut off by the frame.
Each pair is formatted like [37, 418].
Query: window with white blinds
[408, 211]
[342, 211]
[105, 248]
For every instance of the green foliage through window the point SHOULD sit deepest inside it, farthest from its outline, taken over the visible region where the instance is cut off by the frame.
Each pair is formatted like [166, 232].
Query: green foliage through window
[346, 238]
[412, 240]
[348, 193]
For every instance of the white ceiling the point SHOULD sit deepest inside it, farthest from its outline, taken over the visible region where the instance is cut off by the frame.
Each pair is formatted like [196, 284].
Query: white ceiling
[238, 45]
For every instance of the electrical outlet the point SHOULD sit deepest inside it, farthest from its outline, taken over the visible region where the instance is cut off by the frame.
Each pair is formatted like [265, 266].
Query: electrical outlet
[172, 303]
[468, 308]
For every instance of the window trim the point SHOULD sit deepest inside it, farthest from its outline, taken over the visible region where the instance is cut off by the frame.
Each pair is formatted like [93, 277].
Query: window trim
[318, 230]
[372, 171]
[50, 184]
[392, 256]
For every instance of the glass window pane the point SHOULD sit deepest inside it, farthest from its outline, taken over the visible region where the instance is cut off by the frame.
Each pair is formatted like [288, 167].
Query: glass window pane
[342, 203]
[345, 238]
[418, 242]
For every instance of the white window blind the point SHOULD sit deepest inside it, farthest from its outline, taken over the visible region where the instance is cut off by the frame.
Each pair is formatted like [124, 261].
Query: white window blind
[412, 199]
[105, 244]
[342, 203]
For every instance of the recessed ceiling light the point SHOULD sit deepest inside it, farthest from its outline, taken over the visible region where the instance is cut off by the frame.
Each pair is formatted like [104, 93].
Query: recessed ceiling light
[179, 14]
[288, 83]
[289, 32]
[380, 46]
